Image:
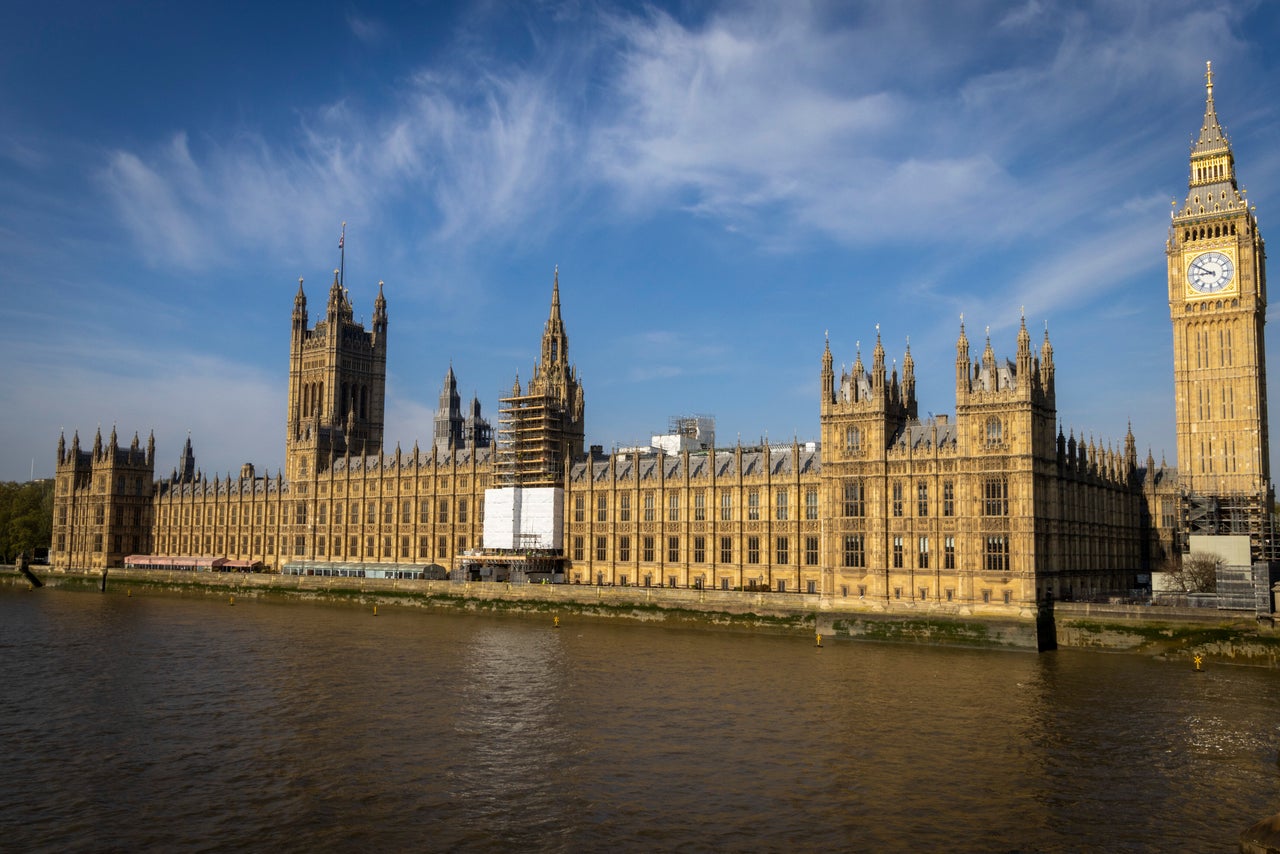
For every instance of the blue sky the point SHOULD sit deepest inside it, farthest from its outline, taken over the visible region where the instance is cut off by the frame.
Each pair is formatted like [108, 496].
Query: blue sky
[720, 185]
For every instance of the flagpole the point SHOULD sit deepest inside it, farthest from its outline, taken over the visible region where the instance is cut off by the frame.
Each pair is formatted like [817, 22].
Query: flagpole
[342, 258]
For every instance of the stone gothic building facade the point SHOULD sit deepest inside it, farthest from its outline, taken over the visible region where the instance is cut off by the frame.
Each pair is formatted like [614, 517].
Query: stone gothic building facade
[990, 509]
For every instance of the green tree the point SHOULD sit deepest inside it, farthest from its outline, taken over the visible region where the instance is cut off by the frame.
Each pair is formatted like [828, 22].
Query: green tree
[26, 517]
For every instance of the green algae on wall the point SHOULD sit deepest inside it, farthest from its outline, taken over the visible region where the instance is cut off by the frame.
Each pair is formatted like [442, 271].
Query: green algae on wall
[1241, 642]
[942, 631]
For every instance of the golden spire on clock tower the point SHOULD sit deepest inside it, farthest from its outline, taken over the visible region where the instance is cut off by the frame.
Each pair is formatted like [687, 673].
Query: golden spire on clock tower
[1212, 184]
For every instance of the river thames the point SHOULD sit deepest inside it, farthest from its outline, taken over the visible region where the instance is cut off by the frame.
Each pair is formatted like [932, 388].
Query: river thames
[166, 723]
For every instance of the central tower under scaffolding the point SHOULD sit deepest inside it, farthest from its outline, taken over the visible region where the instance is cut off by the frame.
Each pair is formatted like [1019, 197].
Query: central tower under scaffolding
[540, 428]
[540, 433]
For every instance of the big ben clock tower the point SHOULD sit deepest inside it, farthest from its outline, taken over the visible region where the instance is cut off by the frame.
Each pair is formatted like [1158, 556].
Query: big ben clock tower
[1217, 302]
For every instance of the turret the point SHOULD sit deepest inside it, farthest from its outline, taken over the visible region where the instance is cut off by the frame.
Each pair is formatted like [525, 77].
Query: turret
[828, 375]
[187, 462]
[877, 368]
[338, 307]
[380, 319]
[1130, 451]
[989, 363]
[909, 382]
[1046, 365]
[300, 311]
[1024, 357]
[448, 423]
[555, 343]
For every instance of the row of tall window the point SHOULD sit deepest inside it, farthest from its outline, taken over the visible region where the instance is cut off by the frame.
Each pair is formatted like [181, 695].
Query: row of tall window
[301, 511]
[995, 493]
[995, 555]
[185, 515]
[354, 397]
[855, 552]
[755, 549]
[325, 547]
[389, 550]
[123, 515]
[782, 511]
[119, 541]
[100, 484]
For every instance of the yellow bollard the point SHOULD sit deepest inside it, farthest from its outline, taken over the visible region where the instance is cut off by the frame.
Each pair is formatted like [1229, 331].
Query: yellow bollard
[556, 624]
[130, 593]
[819, 640]
[233, 601]
[375, 610]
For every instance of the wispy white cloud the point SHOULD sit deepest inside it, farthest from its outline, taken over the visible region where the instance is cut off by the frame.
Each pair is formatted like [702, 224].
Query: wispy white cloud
[182, 209]
[369, 31]
[789, 119]
[21, 152]
[472, 159]
[780, 121]
[492, 154]
[1081, 272]
[151, 201]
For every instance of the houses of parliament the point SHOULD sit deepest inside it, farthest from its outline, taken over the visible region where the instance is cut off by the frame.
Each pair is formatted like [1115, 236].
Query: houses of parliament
[991, 509]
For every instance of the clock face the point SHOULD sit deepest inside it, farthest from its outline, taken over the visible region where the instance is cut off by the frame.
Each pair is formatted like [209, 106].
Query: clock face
[1210, 273]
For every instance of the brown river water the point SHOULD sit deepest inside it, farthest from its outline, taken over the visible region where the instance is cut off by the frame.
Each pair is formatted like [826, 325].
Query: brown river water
[173, 724]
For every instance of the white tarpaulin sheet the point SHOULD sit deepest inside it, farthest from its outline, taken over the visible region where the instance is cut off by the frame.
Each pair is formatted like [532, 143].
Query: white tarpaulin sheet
[524, 518]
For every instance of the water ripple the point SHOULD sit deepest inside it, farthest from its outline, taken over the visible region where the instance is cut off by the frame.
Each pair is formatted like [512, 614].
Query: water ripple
[174, 724]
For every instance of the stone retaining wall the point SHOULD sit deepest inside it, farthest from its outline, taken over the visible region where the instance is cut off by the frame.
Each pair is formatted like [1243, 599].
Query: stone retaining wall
[1152, 630]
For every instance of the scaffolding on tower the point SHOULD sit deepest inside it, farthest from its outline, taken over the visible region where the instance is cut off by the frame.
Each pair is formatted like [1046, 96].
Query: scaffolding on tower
[530, 441]
[1226, 515]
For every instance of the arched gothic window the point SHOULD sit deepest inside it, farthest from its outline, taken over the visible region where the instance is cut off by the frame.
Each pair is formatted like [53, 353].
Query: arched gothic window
[995, 431]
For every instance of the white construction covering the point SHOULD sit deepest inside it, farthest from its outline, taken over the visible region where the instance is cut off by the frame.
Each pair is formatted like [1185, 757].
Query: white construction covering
[524, 518]
[687, 433]
[1232, 549]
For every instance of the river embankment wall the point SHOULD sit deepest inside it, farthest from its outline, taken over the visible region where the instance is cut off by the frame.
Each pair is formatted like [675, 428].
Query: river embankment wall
[1150, 630]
